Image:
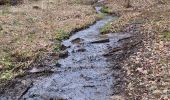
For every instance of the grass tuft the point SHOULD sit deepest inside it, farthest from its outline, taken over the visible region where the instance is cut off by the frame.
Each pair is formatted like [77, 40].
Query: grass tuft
[6, 75]
[57, 47]
[61, 35]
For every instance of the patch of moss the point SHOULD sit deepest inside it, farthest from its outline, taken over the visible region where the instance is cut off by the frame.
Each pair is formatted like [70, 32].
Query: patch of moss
[167, 35]
[106, 28]
[106, 9]
[100, 15]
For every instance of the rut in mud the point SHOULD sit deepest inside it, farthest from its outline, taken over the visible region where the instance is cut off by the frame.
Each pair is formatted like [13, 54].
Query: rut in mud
[88, 69]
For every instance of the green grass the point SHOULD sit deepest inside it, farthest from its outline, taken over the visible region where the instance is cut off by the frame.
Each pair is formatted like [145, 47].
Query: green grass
[6, 63]
[7, 75]
[167, 35]
[106, 28]
[57, 46]
[10, 62]
[61, 34]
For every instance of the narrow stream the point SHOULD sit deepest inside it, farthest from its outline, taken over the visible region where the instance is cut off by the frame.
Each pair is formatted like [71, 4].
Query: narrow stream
[85, 74]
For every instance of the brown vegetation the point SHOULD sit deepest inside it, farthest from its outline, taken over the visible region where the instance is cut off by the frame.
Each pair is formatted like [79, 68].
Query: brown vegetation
[31, 30]
[148, 69]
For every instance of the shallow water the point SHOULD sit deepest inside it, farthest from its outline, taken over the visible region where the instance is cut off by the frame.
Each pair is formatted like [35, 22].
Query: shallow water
[85, 74]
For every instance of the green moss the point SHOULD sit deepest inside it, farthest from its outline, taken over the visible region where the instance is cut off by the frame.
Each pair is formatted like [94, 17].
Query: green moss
[167, 35]
[106, 10]
[100, 15]
[106, 28]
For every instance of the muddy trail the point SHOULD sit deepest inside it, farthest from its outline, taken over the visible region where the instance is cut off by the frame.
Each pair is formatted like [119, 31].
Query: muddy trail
[88, 69]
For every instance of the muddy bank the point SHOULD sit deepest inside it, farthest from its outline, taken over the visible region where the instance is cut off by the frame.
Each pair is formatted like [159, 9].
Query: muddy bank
[148, 68]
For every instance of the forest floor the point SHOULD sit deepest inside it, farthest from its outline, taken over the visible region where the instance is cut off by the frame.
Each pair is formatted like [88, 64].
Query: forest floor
[31, 32]
[148, 69]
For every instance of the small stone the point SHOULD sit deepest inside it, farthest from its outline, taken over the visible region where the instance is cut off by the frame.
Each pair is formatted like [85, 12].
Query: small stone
[142, 71]
[63, 54]
[77, 40]
[58, 65]
[36, 7]
[82, 50]
[116, 97]
[63, 47]
[157, 93]
[103, 40]
[34, 70]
